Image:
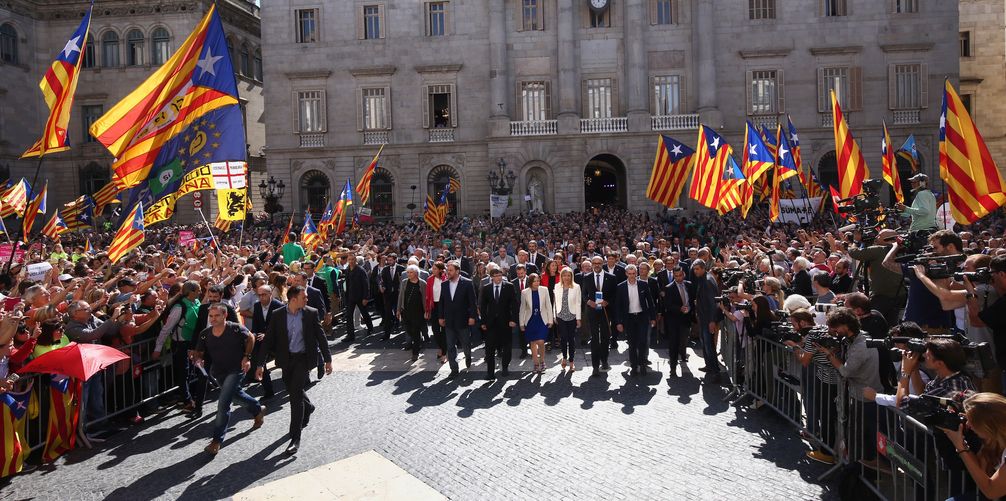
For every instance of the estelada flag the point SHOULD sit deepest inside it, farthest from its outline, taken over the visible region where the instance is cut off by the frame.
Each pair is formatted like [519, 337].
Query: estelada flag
[309, 234]
[363, 187]
[671, 167]
[889, 166]
[711, 154]
[852, 169]
[54, 227]
[129, 236]
[286, 234]
[15, 199]
[64, 413]
[13, 414]
[36, 206]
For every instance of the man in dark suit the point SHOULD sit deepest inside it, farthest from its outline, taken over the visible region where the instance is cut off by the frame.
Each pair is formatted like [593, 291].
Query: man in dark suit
[598, 312]
[636, 314]
[458, 309]
[616, 268]
[388, 283]
[261, 313]
[534, 257]
[707, 312]
[315, 299]
[313, 280]
[498, 310]
[357, 294]
[529, 267]
[294, 338]
[519, 282]
[679, 314]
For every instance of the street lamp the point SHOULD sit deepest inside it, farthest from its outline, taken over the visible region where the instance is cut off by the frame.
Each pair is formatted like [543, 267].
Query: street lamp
[271, 192]
[501, 181]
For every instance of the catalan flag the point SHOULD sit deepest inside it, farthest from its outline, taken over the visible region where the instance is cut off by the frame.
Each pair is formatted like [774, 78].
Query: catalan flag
[363, 187]
[773, 206]
[794, 144]
[910, 153]
[309, 234]
[79, 213]
[129, 236]
[852, 169]
[711, 154]
[222, 224]
[36, 206]
[814, 188]
[442, 206]
[327, 220]
[431, 215]
[54, 227]
[671, 167]
[784, 157]
[455, 185]
[890, 166]
[770, 138]
[757, 158]
[196, 80]
[13, 413]
[88, 248]
[731, 194]
[286, 234]
[975, 187]
[345, 200]
[107, 195]
[15, 199]
[64, 413]
[58, 87]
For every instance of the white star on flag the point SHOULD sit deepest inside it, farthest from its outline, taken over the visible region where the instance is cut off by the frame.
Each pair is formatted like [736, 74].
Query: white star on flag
[782, 152]
[943, 120]
[71, 46]
[676, 150]
[208, 61]
[883, 145]
[793, 138]
[753, 150]
[716, 143]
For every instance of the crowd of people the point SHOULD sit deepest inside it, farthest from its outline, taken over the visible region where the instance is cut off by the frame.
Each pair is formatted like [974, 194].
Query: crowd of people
[226, 312]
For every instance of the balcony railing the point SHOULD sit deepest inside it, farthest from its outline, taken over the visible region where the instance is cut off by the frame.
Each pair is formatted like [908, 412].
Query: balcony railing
[603, 125]
[907, 117]
[312, 140]
[769, 121]
[534, 128]
[674, 122]
[443, 135]
[375, 137]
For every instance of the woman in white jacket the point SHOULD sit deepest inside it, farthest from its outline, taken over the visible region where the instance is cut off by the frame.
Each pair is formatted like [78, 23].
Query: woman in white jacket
[536, 318]
[567, 316]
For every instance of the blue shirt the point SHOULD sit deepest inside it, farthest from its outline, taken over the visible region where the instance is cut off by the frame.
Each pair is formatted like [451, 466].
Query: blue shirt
[295, 330]
[923, 307]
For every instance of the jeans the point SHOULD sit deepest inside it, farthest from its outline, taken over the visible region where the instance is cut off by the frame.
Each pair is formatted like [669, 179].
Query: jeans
[454, 336]
[94, 397]
[230, 388]
[567, 337]
[708, 348]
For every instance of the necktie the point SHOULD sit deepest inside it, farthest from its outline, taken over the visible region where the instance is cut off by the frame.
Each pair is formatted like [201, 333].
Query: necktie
[682, 293]
[598, 276]
[497, 292]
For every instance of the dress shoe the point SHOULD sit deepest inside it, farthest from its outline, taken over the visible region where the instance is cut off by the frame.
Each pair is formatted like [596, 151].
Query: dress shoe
[349, 339]
[490, 377]
[648, 362]
[415, 357]
[523, 355]
[292, 448]
[259, 419]
[386, 337]
[452, 376]
[213, 448]
[633, 372]
[704, 369]
[195, 414]
[674, 372]
[468, 362]
[605, 367]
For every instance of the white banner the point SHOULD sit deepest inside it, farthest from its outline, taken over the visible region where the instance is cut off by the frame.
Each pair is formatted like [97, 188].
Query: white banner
[228, 175]
[498, 205]
[36, 272]
[798, 210]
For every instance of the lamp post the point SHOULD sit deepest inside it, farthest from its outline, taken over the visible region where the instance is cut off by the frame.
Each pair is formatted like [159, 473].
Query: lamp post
[502, 180]
[271, 192]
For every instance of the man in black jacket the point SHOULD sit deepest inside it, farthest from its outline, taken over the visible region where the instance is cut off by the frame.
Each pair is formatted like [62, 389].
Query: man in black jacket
[315, 299]
[357, 292]
[498, 309]
[636, 315]
[598, 310]
[679, 314]
[294, 338]
[261, 313]
[388, 283]
[458, 310]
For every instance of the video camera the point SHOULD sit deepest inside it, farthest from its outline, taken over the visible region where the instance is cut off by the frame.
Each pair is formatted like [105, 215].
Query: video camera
[981, 358]
[867, 201]
[936, 266]
[936, 411]
[781, 332]
[979, 276]
[912, 345]
[732, 277]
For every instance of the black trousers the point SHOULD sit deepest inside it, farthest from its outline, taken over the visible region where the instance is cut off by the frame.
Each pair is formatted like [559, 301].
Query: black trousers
[636, 328]
[600, 336]
[389, 323]
[498, 341]
[677, 338]
[295, 379]
[414, 327]
[350, 333]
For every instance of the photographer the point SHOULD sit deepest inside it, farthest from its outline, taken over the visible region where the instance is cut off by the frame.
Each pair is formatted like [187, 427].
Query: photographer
[986, 416]
[923, 307]
[906, 330]
[945, 358]
[875, 326]
[820, 385]
[887, 291]
[991, 315]
[923, 209]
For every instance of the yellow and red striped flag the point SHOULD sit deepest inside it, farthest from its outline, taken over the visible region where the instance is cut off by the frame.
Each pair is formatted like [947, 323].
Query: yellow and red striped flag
[711, 154]
[431, 214]
[975, 187]
[671, 167]
[222, 224]
[58, 88]
[15, 199]
[852, 169]
[454, 185]
[345, 200]
[732, 187]
[286, 234]
[773, 206]
[64, 414]
[54, 227]
[889, 165]
[36, 206]
[363, 187]
[129, 236]
[106, 196]
[13, 418]
[196, 80]
[309, 234]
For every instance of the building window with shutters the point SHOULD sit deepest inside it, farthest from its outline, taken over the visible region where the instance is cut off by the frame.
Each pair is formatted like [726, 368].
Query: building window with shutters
[833, 8]
[245, 56]
[834, 79]
[968, 101]
[532, 15]
[667, 95]
[907, 87]
[257, 64]
[134, 48]
[371, 22]
[965, 39]
[8, 43]
[90, 113]
[764, 92]
[534, 101]
[440, 101]
[600, 19]
[307, 25]
[663, 12]
[110, 50]
[905, 6]
[375, 109]
[599, 98]
[90, 58]
[160, 46]
[761, 9]
[436, 19]
[382, 198]
[310, 111]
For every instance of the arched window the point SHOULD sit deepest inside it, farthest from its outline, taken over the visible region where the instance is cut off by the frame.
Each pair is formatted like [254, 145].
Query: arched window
[110, 50]
[314, 191]
[906, 169]
[382, 195]
[160, 46]
[245, 61]
[827, 171]
[8, 44]
[438, 181]
[134, 48]
[90, 57]
[258, 65]
[93, 177]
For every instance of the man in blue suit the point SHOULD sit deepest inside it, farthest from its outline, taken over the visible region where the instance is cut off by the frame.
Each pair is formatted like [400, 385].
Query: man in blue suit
[635, 314]
[458, 310]
[679, 314]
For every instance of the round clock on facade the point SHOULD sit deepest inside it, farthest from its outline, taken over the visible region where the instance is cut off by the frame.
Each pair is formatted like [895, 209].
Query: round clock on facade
[598, 5]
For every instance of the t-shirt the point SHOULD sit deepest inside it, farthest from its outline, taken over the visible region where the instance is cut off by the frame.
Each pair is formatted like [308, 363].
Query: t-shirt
[225, 350]
[292, 251]
[43, 349]
[923, 307]
[994, 318]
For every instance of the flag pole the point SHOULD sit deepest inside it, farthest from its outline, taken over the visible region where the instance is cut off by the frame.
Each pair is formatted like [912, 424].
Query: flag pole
[207, 223]
[241, 236]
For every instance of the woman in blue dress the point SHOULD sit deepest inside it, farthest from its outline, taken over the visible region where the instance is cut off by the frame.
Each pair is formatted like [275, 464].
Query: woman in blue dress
[536, 317]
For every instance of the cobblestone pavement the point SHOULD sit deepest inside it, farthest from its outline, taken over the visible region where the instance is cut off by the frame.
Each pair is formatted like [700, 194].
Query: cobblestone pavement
[558, 435]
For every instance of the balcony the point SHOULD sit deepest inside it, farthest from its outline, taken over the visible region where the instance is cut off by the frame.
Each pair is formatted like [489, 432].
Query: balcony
[674, 122]
[603, 125]
[312, 140]
[760, 121]
[442, 135]
[376, 137]
[534, 128]
[907, 117]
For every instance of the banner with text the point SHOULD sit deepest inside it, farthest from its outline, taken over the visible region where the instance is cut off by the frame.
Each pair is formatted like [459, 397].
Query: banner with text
[498, 205]
[798, 210]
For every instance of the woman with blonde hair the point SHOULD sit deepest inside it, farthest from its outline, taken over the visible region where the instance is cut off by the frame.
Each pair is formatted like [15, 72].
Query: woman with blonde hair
[986, 416]
[535, 319]
[567, 316]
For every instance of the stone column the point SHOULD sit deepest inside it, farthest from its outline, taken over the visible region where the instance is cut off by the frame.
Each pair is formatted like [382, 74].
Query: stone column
[704, 32]
[569, 77]
[499, 120]
[635, 69]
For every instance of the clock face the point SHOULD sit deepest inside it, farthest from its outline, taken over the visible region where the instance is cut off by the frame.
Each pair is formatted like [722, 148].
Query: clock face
[598, 4]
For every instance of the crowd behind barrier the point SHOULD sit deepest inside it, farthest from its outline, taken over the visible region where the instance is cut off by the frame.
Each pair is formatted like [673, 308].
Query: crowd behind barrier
[788, 309]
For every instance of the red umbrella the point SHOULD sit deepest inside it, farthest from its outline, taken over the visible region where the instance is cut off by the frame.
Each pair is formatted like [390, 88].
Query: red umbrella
[80, 361]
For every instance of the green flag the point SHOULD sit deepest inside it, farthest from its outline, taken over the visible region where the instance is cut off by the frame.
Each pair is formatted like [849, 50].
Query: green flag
[169, 175]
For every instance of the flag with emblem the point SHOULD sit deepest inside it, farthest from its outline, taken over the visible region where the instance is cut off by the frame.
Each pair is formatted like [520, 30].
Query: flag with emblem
[196, 80]
[363, 187]
[107, 195]
[910, 153]
[443, 206]
[852, 169]
[88, 248]
[327, 220]
[345, 200]
[975, 186]
[64, 413]
[15, 199]
[129, 236]
[890, 166]
[430, 214]
[309, 234]
[731, 190]
[232, 204]
[711, 154]
[36, 206]
[13, 417]
[286, 234]
[54, 227]
[454, 185]
[670, 171]
[222, 224]
[58, 87]
[794, 144]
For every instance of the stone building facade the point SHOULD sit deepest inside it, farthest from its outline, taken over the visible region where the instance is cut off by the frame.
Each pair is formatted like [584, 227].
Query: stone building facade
[128, 41]
[571, 95]
[983, 70]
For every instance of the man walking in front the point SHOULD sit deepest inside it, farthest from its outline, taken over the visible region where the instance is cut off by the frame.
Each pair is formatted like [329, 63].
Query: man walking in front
[458, 310]
[706, 309]
[636, 315]
[498, 309]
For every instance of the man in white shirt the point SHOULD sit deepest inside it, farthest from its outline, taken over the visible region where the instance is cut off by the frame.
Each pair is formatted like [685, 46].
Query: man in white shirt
[635, 316]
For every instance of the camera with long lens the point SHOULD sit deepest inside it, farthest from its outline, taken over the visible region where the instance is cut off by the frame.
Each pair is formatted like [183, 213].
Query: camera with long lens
[781, 332]
[936, 411]
[915, 242]
[868, 200]
[732, 277]
[979, 276]
[981, 356]
[911, 344]
[936, 266]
